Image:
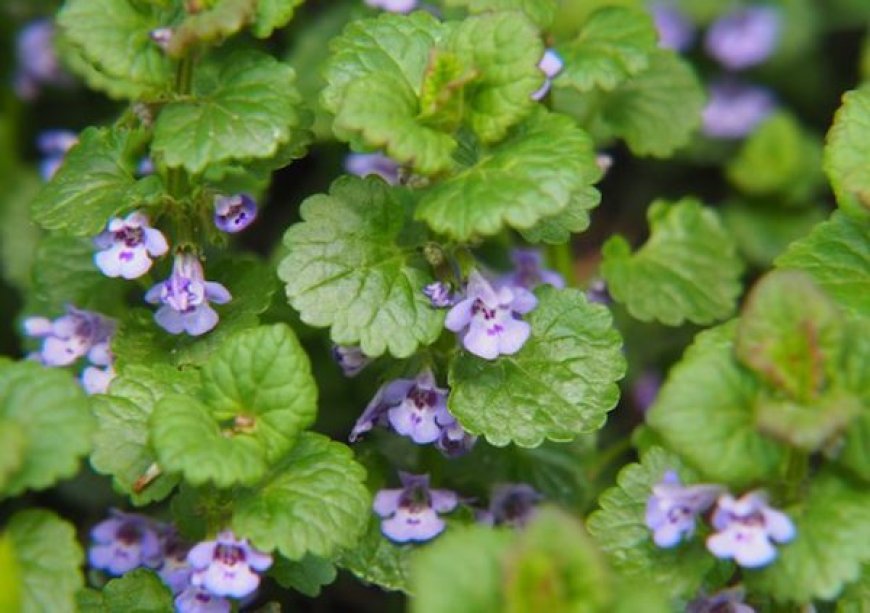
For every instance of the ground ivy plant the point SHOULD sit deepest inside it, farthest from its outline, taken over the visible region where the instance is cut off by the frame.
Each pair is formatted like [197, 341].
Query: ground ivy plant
[461, 305]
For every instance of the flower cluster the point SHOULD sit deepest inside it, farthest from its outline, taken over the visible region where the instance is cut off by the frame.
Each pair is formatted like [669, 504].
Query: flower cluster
[76, 334]
[745, 528]
[202, 577]
[411, 513]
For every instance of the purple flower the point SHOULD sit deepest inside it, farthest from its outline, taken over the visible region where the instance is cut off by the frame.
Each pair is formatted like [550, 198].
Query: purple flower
[76, 334]
[529, 272]
[745, 37]
[351, 359]
[488, 320]
[734, 109]
[365, 164]
[454, 440]
[176, 570]
[393, 6]
[745, 529]
[726, 601]
[513, 504]
[123, 542]
[97, 380]
[197, 600]
[411, 513]
[234, 213]
[54, 144]
[226, 565]
[597, 292]
[127, 246]
[185, 298]
[439, 294]
[551, 65]
[672, 508]
[38, 64]
[676, 31]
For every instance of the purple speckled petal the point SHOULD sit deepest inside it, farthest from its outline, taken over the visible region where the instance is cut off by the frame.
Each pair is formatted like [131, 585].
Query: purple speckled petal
[406, 525]
[235, 581]
[419, 425]
[459, 316]
[480, 342]
[199, 600]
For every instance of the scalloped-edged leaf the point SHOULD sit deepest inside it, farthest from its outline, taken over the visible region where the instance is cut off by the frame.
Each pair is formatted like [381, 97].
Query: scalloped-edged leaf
[139, 590]
[469, 560]
[307, 575]
[353, 265]
[47, 557]
[220, 20]
[560, 384]
[273, 14]
[313, 501]
[557, 229]
[613, 44]
[620, 529]
[257, 395]
[243, 107]
[687, 270]
[96, 181]
[51, 412]
[13, 447]
[830, 546]
[656, 111]
[705, 413]
[541, 12]
[112, 38]
[535, 173]
[836, 254]
[376, 559]
[846, 152]
[121, 445]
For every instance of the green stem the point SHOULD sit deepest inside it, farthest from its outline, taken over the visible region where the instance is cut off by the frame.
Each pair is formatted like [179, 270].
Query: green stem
[796, 470]
[563, 260]
[176, 178]
[607, 456]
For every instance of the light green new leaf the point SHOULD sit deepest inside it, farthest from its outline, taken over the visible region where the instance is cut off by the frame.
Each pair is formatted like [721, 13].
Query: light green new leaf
[46, 557]
[620, 529]
[657, 110]
[376, 559]
[113, 39]
[307, 575]
[847, 150]
[353, 265]
[243, 107]
[541, 12]
[469, 560]
[273, 14]
[121, 445]
[313, 501]
[687, 270]
[535, 173]
[790, 333]
[560, 384]
[836, 254]
[95, 182]
[51, 414]
[830, 546]
[705, 413]
[614, 44]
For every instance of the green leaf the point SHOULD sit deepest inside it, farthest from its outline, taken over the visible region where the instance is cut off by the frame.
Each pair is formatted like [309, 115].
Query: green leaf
[621, 531]
[273, 14]
[13, 447]
[313, 501]
[375, 559]
[46, 556]
[112, 39]
[836, 254]
[222, 19]
[541, 12]
[244, 106]
[353, 265]
[790, 333]
[614, 43]
[687, 270]
[307, 575]
[542, 574]
[779, 158]
[855, 454]
[833, 529]
[469, 560]
[257, 396]
[536, 173]
[138, 591]
[51, 412]
[121, 445]
[856, 596]
[846, 151]
[18, 234]
[10, 579]
[720, 438]
[656, 111]
[560, 384]
[96, 181]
